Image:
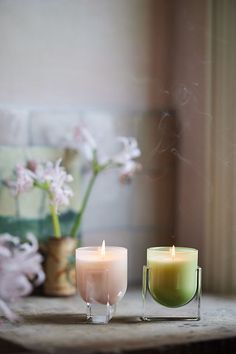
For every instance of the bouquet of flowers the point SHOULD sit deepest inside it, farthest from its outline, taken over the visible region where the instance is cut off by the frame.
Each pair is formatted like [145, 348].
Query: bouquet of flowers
[54, 180]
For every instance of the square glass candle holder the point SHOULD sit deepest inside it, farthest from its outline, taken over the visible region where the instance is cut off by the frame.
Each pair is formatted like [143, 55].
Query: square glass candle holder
[171, 284]
[101, 276]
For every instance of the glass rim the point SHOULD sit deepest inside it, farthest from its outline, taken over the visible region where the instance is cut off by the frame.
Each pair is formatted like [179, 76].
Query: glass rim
[164, 249]
[96, 248]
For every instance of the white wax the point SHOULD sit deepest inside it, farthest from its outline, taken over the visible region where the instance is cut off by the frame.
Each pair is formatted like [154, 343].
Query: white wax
[101, 277]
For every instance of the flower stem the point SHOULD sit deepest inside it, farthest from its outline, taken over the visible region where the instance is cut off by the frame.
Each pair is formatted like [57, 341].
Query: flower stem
[78, 219]
[55, 222]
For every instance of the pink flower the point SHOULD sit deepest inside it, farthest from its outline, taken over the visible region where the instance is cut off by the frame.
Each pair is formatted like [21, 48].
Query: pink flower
[48, 176]
[128, 170]
[24, 181]
[56, 179]
[129, 151]
[125, 158]
[20, 269]
[84, 142]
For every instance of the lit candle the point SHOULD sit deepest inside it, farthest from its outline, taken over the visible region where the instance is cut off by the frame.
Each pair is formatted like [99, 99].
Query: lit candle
[173, 274]
[101, 274]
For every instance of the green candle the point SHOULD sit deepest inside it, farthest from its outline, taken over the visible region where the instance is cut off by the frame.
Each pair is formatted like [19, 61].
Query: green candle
[172, 274]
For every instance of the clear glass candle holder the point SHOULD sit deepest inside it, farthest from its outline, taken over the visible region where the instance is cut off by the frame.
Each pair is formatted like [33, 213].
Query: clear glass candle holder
[101, 280]
[171, 284]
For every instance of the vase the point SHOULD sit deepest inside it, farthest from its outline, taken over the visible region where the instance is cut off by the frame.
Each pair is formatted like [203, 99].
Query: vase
[60, 267]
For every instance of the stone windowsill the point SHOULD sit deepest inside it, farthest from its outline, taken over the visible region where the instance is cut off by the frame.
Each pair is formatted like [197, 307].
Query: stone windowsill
[51, 325]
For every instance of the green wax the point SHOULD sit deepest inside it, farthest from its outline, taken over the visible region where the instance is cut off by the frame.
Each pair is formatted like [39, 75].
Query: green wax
[172, 279]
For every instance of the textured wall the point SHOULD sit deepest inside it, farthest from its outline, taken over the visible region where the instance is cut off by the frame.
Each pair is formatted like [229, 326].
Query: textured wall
[106, 63]
[79, 53]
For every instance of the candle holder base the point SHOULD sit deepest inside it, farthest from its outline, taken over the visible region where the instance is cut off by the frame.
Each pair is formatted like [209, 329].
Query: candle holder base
[154, 311]
[99, 313]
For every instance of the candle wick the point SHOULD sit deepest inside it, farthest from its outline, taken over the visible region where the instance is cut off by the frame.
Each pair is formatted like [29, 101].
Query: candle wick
[103, 248]
[173, 252]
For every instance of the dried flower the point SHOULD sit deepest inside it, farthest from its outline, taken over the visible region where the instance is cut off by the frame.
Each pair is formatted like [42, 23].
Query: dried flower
[20, 269]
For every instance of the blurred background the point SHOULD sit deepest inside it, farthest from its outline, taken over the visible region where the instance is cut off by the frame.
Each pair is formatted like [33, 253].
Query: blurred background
[160, 70]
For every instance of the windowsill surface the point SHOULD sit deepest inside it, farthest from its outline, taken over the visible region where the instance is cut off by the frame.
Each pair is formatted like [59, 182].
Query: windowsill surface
[51, 325]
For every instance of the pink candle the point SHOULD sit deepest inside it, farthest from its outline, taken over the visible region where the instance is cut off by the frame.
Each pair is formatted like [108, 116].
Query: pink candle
[101, 274]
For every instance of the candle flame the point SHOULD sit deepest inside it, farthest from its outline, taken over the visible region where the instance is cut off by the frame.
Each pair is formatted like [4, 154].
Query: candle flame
[103, 248]
[172, 251]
